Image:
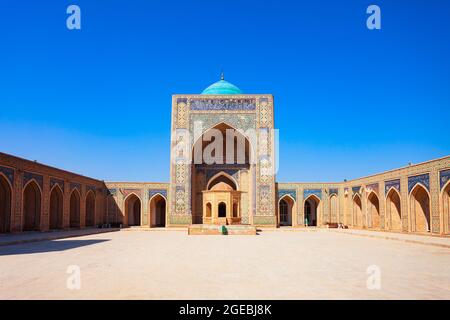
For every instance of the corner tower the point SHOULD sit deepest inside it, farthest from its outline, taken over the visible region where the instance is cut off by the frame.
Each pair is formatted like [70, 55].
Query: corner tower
[211, 181]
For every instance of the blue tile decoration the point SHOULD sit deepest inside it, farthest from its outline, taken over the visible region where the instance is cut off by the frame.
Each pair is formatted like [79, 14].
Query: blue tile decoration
[27, 176]
[182, 100]
[290, 192]
[444, 177]
[374, 187]
[222, 104]
[93, 188]
[213, 171]
[112, 192]
[333, 191]
[57, 181]
[75, 186]
[424, 179]
[316, 192]
[391, 184]
[9, 173]
[152, 192]
[356, 189]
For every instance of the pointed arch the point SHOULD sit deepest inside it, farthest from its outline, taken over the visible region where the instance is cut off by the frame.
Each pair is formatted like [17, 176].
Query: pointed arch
[251, 151]
[373, 209]
[393, 210]
[358, 219]
[158, 210]
[31, 206]
[217, 179]
[90, 208]
[133, 205]
[56, 207]
[286, 210]
[5, 204]
[445, 205]
[334, 208]
[75, 203]
[311, 209]
[420, 208]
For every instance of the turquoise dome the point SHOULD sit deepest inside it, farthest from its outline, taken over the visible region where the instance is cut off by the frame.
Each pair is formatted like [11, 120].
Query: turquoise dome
[222, 87]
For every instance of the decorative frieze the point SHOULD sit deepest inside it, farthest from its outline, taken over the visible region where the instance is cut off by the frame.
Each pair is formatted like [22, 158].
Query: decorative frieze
[27, 176]
[9, 173]
[391, 184]
[316, 192]
[222, 104]
[423, 179]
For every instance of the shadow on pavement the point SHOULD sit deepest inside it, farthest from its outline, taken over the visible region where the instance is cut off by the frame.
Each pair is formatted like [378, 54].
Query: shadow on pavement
[46, 246]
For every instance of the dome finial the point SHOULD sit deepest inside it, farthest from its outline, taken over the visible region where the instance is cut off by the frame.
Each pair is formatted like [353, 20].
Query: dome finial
[222, 76]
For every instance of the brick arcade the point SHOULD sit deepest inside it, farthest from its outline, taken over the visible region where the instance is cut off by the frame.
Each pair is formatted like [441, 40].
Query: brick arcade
[412, 199]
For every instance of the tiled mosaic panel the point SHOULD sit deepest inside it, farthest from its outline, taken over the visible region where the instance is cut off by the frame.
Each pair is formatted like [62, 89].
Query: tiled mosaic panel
[424, 179]
[153, 192]
[9, 173]
[283, 192]
[27, 176]
[391, 184]
[222, 104]
[444, 177]
[308, 192]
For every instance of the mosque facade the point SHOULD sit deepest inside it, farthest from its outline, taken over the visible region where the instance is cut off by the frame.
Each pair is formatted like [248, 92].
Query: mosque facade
[223, 172]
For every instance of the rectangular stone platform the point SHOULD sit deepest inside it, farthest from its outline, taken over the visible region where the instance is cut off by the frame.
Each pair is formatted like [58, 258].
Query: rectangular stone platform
[213, 229]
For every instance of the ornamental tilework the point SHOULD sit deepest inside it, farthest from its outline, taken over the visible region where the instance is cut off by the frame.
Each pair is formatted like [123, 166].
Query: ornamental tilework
[283, 192]
[374, 187]
[356, 190]
[127, 192]
[333, 191]
[59, 182]
[222, 104]
[27, 176]
[424, 179]
[75, 186]
[8, 172]
[444, 177]
[316, 192]
[90, 188]
[153, 192]
[391, 184]
[238, 121]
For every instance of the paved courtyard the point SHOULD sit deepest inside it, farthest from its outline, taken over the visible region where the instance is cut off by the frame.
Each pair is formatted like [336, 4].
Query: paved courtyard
[272, 265]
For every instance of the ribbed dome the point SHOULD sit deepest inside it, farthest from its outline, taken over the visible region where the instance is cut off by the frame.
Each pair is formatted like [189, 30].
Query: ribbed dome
[222, 87]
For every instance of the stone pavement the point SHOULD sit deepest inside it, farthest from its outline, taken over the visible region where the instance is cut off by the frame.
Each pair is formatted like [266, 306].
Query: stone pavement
[34, 236]
[272, 265]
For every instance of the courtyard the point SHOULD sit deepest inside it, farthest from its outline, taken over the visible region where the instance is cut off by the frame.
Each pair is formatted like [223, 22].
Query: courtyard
[275, 264]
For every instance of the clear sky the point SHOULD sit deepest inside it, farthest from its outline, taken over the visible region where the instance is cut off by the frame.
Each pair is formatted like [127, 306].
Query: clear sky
[348, 101]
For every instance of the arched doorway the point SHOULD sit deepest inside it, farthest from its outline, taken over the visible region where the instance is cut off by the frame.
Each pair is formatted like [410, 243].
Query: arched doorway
[357, 212]
[31, 207]
[374, 210]
[286, 208]
[420, 208]
[56, 208]
[222, 209]
[133, 210]
[222, 156]
[158, 211]
[90, 209]
[334, 208]
[208, 210]
[311, 210]
[446, 207]
[75, 209]
[393, 210]
[5, 205]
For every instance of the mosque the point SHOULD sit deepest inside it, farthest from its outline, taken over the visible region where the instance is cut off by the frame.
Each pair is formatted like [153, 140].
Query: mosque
[223, 172]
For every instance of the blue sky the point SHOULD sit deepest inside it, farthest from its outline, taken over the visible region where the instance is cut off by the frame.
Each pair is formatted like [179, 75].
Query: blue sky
[348, 101]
